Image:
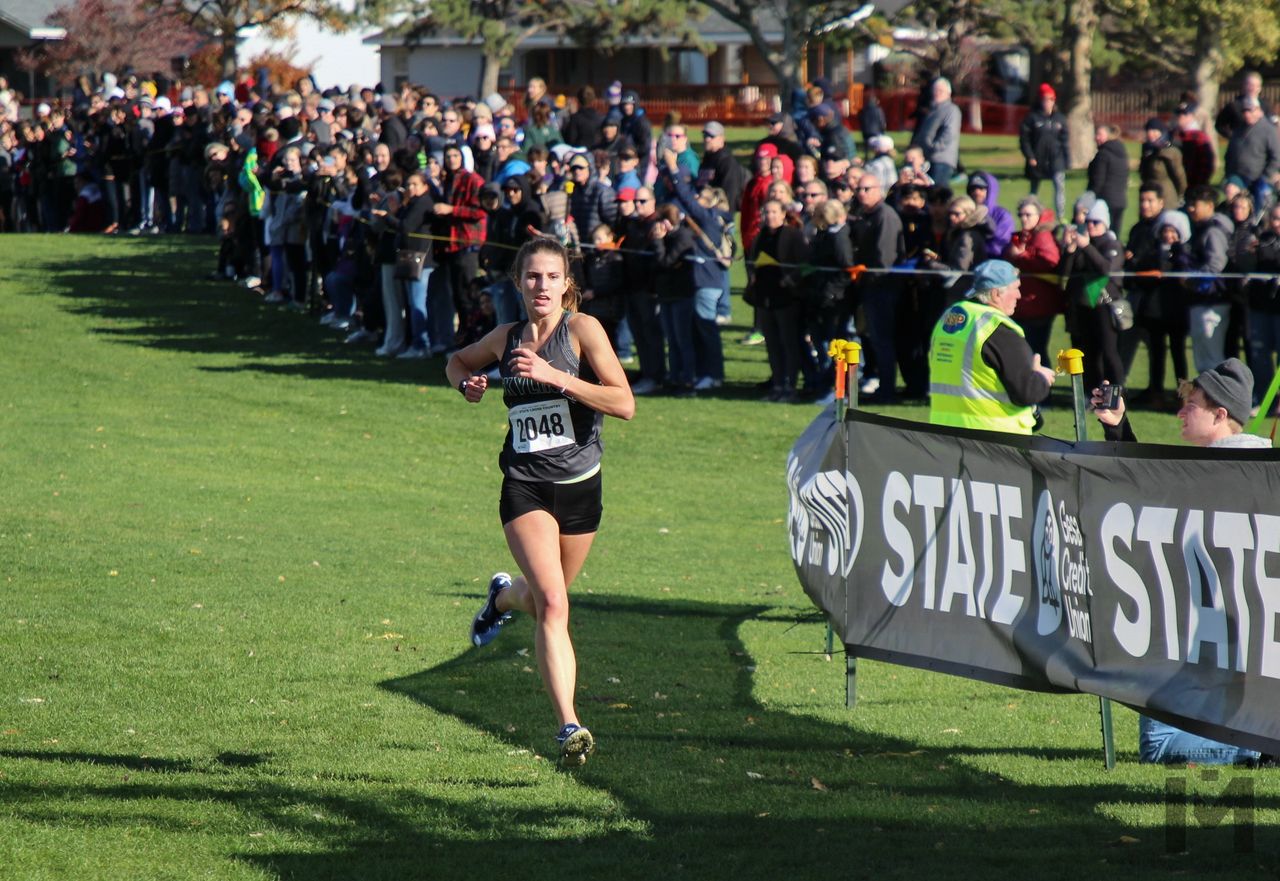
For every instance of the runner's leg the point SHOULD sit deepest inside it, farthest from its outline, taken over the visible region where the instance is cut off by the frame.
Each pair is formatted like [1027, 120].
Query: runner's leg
[550, 562]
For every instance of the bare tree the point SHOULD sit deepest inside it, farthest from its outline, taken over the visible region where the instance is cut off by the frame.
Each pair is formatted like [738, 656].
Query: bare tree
[110, 35]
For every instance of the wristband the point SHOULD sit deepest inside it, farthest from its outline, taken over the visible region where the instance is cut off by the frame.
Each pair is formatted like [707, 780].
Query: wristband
[462, 385]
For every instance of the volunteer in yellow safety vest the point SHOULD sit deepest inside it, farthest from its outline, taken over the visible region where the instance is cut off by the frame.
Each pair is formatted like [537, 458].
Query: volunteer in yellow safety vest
[982, 373]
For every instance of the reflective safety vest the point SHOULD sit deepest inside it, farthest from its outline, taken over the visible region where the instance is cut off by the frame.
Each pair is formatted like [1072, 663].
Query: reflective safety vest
[964, 390]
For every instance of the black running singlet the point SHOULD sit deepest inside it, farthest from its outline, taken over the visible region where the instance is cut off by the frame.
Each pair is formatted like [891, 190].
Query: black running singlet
[550, 436]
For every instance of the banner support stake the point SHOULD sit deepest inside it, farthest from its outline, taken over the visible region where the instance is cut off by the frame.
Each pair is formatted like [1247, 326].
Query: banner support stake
[845, 355]
[1071, 361]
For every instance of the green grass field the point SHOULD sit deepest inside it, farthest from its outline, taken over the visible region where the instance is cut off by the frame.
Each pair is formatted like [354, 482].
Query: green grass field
[240, 561]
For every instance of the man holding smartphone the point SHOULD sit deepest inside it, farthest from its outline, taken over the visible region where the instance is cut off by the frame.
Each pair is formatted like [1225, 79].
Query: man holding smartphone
[1215, 407]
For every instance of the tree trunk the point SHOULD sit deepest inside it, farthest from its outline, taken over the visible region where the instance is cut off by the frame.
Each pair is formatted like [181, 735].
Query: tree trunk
[489, 71]
[228, 57]
[1080, 25]
[1208, 63]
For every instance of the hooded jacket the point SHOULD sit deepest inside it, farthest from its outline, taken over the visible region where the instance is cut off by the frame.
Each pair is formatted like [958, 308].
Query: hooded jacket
[509, 228]
[1000, 225]
[1210, 247]
[752, 205]
[593, 204]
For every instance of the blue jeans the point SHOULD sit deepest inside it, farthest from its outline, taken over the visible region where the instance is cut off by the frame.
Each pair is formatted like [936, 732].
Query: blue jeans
[708, 350]
[440, 310]
[508, 306]
[341, 291]
[415, 298]
[146, 200]
[677, 325]
[626, 340]
[279, 268]
[722, 305]
[1264, 344]
[1209, 335]
[1163, 744]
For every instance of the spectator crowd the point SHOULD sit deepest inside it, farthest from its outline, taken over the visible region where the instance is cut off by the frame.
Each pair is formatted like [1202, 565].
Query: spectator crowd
[396, 215]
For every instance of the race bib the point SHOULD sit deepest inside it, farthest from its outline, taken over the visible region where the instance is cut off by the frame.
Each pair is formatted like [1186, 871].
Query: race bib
[536, 428]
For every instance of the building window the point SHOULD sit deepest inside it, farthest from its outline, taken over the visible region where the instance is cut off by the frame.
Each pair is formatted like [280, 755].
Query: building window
[691, 67]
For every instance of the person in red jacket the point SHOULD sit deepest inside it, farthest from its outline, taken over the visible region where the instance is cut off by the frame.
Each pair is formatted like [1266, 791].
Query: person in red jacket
[460, 228]
[1199, 156]
[756, 194]
[1034, 252]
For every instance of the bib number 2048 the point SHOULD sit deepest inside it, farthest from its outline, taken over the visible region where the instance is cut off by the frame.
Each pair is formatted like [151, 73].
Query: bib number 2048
[541, 426]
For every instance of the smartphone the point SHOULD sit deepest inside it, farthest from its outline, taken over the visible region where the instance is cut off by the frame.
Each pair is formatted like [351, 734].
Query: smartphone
[1111, 395]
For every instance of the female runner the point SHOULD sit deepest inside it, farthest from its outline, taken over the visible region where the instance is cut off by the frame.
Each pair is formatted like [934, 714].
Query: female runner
[560, 378]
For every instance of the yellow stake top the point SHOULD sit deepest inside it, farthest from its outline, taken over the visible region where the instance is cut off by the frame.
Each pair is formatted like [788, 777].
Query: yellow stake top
[843, 350]
[1071, 361]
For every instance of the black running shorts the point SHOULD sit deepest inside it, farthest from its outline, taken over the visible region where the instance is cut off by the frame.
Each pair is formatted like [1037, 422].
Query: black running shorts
[576, 506]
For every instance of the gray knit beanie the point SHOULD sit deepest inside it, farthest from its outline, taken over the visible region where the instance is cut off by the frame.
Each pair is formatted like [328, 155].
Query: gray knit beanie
[1230, 385]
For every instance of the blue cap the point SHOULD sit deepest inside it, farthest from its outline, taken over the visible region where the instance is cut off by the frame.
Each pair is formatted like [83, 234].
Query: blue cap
[991, 275]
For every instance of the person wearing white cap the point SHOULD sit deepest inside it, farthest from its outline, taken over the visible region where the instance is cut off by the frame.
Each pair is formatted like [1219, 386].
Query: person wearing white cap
[1089, 260]
[882, 165]
[983, 373]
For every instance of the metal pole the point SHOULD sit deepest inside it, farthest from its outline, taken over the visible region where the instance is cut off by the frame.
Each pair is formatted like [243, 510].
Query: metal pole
[836, 352]
[852, 357]
[846, 357]
[1072, 361]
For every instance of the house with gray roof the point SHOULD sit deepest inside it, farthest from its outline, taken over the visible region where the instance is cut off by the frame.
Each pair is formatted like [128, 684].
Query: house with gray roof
[451, 65]
[23, 23]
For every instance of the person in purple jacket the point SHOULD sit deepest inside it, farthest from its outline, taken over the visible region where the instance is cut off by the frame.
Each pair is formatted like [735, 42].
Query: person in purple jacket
[984, 189]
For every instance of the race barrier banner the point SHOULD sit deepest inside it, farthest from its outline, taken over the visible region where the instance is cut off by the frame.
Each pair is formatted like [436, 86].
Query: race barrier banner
[1147, 574]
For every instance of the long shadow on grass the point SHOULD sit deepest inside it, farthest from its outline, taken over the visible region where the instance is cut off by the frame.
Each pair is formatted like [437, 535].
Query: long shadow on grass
[728, 787]
[154, 294]
[696, 778]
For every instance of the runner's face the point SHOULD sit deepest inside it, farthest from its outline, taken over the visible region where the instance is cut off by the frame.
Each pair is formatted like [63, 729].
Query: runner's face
[543, 282]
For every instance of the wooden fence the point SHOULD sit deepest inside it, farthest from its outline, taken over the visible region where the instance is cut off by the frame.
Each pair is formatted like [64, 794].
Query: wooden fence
[751, 104]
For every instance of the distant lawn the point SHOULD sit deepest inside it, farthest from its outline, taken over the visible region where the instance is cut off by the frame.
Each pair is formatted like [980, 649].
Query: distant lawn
[240, 560]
